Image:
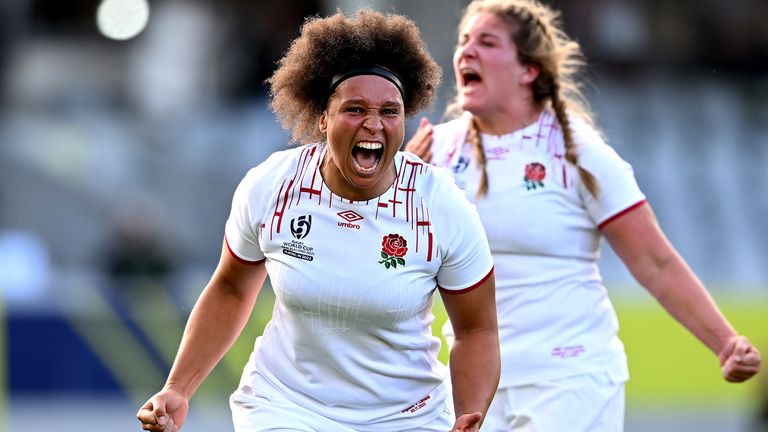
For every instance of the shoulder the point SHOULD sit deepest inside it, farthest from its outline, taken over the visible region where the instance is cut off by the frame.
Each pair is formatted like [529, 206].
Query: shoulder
[447, 138]
[434, 185]
[452, 133]
[282, 161]
[451, 127]
[288, 158]
[265, 178]
[591, 148]
[429, 176]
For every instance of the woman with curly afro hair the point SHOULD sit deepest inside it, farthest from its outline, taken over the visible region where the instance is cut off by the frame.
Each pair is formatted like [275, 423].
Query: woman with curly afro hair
[356, 237]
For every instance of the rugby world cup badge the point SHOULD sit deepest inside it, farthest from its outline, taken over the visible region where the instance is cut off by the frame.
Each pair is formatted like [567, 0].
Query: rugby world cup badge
[300, 228]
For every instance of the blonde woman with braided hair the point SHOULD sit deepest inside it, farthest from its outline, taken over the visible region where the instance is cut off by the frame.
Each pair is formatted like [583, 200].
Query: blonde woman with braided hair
[548, 188]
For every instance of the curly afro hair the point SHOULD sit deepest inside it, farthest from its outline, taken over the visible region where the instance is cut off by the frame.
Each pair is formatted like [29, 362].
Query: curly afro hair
[336, 44]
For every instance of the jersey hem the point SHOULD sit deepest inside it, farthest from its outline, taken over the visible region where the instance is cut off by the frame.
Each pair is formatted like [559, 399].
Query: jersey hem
[621, 213]
[468, 289]
[241, 260]
[265, 382]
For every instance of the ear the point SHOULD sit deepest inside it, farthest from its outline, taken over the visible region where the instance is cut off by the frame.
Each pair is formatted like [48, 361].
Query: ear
[530, 73]
[323, 124]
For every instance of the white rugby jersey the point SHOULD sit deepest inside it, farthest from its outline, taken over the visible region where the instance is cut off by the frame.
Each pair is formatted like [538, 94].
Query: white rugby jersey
[350, 334]
[555, 317]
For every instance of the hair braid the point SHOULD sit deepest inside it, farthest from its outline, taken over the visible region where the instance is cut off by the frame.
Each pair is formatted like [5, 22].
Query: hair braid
[473, 134]
[559, 106]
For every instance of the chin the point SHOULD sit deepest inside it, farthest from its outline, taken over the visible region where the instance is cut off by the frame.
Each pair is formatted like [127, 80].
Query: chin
[362, 182]
[470, 105]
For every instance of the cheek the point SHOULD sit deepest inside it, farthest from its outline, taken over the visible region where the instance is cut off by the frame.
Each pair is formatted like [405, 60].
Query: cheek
[341, 127]
[396, 130]
[502, 78]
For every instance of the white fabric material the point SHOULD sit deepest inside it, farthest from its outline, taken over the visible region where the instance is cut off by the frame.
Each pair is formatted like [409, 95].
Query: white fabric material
[582, 403]
[350, 337]
[263, 409]
[555, 317]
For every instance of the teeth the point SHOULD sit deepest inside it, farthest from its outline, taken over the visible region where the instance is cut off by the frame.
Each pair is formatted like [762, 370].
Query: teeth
[370, 145]
[366, 170]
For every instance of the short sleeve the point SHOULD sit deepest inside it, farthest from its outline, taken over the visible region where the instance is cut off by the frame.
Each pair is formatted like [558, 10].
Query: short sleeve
[243, 226]
[619, 190]
[447, 140]
[467, 260]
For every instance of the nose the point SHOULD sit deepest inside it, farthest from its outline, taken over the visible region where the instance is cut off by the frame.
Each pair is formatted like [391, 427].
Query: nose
[465, 50]
[373, 123]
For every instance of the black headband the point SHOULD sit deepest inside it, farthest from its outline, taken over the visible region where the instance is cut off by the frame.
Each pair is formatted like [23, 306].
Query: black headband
[372, 70]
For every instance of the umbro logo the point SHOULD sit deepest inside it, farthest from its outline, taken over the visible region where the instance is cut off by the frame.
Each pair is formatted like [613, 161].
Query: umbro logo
[496, 153]
[349, 216]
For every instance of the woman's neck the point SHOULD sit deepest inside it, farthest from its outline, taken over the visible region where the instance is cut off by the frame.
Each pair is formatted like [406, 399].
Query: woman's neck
[499, 122]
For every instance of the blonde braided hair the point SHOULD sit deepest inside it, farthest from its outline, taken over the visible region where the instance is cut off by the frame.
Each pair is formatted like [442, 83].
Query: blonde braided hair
[473, 134]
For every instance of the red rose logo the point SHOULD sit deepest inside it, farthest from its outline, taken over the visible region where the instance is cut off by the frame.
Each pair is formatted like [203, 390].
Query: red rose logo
[393, 249]
[534, 175]
[535, 171]
[394, 245]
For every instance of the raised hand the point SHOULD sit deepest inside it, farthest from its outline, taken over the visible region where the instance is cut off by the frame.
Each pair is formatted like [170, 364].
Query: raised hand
[468, 423]
[739, 360]
[163, 412]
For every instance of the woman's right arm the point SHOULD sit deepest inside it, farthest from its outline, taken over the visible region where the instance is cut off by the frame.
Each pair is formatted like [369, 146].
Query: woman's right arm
[638, 240]
[216, 321]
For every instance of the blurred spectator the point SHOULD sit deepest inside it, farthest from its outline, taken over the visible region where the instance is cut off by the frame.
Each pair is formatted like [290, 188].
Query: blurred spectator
[138, 250]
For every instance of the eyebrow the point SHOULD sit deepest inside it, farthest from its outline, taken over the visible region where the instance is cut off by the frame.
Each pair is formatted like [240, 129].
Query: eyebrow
[481, 35]
[364, 102]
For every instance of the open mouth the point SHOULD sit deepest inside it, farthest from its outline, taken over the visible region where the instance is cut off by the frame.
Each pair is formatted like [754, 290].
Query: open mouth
[366, 156]
[469, 76]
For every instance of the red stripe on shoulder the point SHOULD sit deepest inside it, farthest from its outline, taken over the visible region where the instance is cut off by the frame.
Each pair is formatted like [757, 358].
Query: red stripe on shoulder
[241, 260]
[621, 213]
[468, 289]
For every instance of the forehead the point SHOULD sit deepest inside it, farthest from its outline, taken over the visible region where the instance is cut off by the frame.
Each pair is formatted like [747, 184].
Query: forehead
[485, 22]
[371, 89]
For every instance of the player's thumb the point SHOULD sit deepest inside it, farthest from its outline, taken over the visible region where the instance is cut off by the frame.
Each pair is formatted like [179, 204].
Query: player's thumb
[160, 414]
[475, 418]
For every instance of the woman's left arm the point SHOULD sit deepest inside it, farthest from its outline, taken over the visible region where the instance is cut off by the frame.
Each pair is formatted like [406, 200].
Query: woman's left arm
[474, 359]
[640, 243]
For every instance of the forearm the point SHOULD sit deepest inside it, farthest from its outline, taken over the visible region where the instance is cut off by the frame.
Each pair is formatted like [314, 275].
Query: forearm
[681, 293]
[216, 321]
[475, 367]
[639, 242]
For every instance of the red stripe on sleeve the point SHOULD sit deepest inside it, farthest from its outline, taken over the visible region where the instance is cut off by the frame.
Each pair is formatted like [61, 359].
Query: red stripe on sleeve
[243, 261]
[621, 213]
[468, 289]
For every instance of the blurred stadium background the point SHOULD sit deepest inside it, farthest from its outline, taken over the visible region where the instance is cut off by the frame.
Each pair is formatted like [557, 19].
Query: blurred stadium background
[118, 160]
